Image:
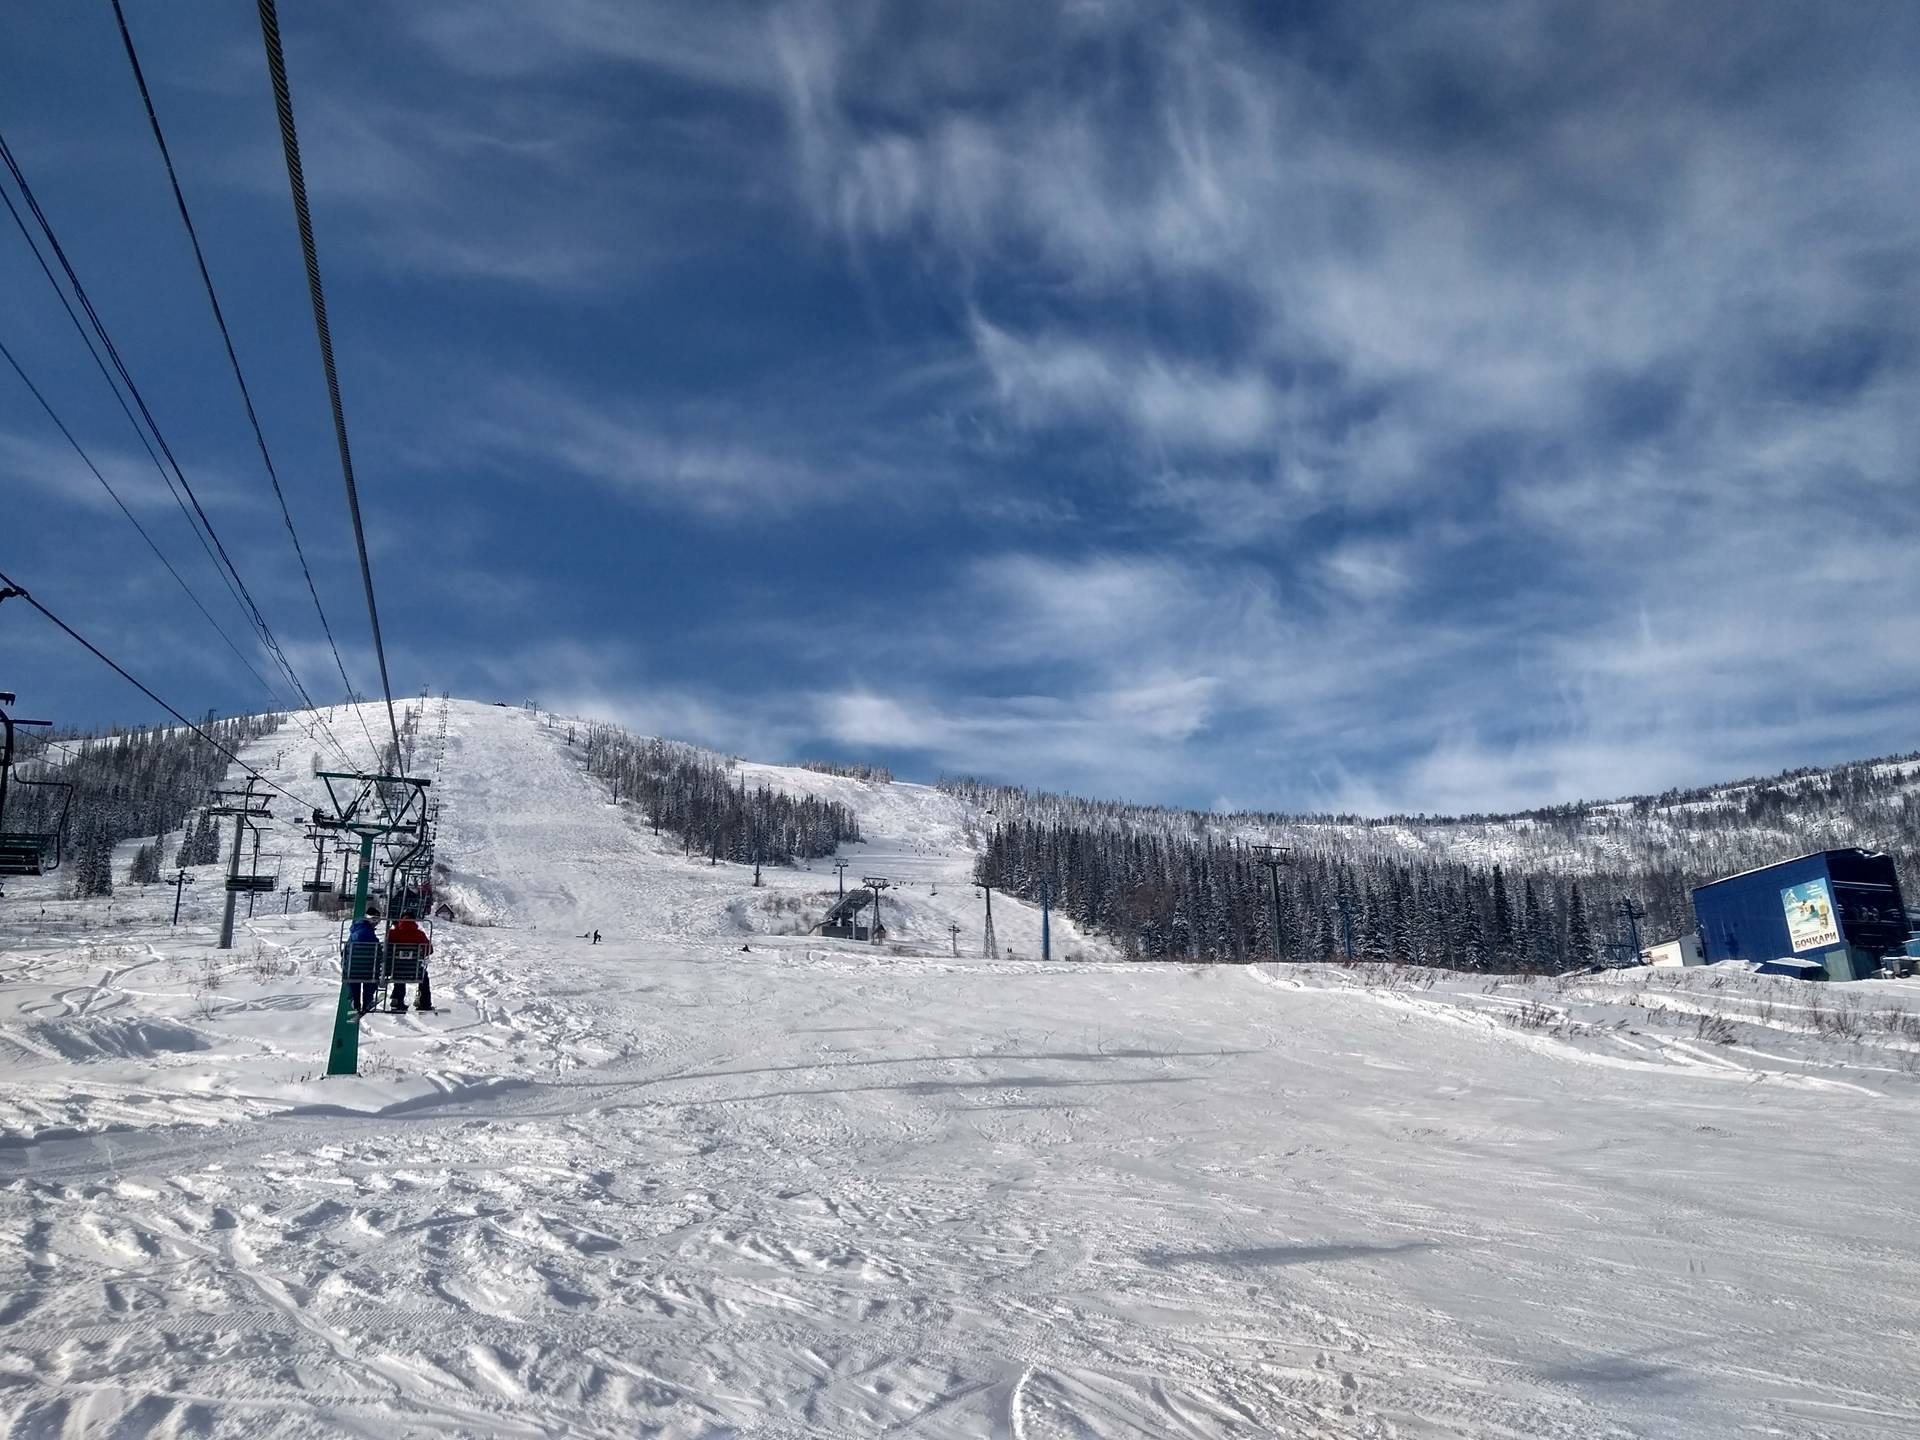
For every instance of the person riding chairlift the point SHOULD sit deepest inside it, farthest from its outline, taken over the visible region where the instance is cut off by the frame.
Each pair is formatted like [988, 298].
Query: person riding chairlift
[362, 933]
[406, 931]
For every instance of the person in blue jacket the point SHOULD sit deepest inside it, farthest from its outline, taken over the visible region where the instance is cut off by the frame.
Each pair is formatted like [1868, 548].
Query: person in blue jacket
[363, 933]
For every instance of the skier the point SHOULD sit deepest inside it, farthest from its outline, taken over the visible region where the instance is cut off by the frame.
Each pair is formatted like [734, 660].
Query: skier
[406, 931]
[596, 937]
[362, 933]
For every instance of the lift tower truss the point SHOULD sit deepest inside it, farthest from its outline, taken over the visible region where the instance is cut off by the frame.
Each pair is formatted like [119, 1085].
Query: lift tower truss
[879, 885]
[370, 808]
[244, 806]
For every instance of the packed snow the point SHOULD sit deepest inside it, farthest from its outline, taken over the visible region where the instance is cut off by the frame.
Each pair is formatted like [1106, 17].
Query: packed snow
[715, 1176]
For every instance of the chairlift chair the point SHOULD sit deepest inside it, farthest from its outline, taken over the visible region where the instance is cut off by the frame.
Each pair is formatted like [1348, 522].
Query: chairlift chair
[405, 963]
[24, 852]
[363, 963]
[260, 882]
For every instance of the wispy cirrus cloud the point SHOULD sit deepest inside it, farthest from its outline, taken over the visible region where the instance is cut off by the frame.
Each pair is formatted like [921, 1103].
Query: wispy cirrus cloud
[1166, 404]
[1464, 405]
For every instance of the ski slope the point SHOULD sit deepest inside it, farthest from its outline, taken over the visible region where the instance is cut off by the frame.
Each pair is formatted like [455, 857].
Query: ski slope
[667, 1186]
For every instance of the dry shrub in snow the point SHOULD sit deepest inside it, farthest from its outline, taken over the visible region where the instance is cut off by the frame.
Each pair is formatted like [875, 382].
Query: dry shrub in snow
[1714, 1029]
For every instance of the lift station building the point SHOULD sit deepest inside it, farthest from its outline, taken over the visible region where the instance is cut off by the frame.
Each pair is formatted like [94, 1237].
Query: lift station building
[1838, 909]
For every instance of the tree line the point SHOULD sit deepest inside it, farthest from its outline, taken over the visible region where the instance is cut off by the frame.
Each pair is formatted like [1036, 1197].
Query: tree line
[850, 770]
[1163, 897]
[127, 783]
[1542, 889]
[699, 799]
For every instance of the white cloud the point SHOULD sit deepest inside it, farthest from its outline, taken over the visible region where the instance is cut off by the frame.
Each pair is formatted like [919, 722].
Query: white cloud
[52, 466]
[690, 462]
[717, 43]
[1165, 403]
[1368, 571]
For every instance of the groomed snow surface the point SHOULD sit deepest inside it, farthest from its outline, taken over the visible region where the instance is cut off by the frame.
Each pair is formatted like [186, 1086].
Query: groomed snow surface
[667, 1186]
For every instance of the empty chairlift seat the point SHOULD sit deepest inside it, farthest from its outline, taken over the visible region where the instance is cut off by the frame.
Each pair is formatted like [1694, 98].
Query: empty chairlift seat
[23, 854]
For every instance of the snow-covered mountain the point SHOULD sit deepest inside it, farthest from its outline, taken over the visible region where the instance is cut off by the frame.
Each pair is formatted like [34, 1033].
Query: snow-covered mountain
[1713, 830]
[711, 1177]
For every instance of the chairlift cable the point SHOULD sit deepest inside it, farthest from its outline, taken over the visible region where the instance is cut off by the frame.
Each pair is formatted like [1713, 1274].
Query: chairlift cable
[233, 359]
[132, 520]
[297, 183]
[20, 592]
[243, 595]
[145, 442]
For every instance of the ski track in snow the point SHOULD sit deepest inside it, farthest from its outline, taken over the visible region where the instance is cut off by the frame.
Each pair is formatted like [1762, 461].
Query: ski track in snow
[660, 1186]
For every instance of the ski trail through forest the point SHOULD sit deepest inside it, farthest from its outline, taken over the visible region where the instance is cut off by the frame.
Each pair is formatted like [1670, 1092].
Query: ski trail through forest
[669, 1185]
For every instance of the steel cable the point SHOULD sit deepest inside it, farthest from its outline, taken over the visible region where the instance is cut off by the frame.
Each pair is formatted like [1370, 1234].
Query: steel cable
[233, 359]
[297, 183]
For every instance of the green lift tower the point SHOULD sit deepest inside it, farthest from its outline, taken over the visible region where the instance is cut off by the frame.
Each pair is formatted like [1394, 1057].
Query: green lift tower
[369, 807]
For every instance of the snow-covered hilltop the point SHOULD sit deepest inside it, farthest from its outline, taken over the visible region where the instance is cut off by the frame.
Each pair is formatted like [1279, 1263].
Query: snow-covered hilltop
[718, 1176]
[1717, 829]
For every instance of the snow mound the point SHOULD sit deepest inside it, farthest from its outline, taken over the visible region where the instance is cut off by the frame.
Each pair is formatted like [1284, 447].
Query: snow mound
[110, 1038]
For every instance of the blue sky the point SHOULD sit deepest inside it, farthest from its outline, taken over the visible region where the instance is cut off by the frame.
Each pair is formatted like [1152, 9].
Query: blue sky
[1445, 407]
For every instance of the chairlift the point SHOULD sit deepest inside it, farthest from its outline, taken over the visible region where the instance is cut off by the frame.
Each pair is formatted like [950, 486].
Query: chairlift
[37, 852]
[25, 852]
[382, 964]
[260, 882]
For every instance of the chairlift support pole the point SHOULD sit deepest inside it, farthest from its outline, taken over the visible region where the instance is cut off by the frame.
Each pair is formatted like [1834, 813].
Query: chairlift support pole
[233, 874]
[377, 805]
[249, 805]
[318, 839]
[879, 884]
[989, 943]
[1273, 857]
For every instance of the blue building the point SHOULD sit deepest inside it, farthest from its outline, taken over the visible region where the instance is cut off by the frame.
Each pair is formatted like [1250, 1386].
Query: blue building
[1840, 909]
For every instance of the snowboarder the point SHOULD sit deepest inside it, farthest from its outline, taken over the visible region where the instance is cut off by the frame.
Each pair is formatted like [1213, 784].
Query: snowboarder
[362, 933]
[406, 931]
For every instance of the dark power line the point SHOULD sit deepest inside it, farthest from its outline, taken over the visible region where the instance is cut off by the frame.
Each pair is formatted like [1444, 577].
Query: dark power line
[249, 605]
[15, 590]
[86, 460]
[233, 358]
[297, 183]
[145, 443]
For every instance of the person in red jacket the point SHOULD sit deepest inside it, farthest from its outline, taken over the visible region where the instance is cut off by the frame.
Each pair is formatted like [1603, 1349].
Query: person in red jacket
[406, 931]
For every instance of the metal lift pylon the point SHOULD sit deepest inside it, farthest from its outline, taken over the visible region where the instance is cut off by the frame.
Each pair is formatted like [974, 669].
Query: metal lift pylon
[367, 807]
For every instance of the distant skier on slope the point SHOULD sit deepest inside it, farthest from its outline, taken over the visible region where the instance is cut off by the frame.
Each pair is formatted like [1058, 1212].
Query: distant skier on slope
[406, 931]
[596, 937]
